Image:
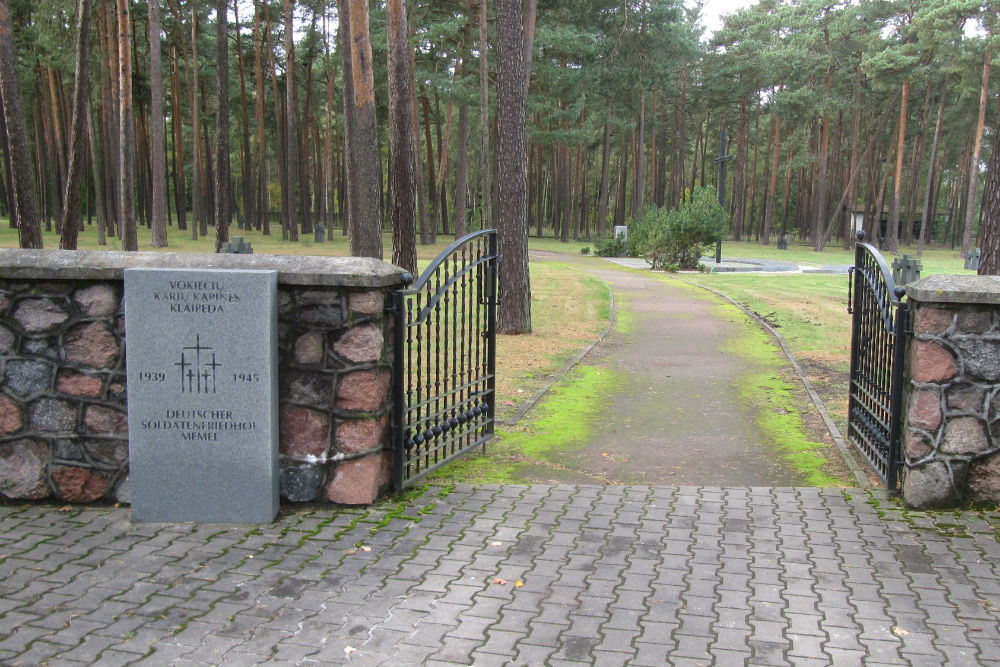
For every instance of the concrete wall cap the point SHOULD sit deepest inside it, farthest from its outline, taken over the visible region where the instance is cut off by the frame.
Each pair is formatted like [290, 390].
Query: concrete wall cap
[946, 288]
[18, 264]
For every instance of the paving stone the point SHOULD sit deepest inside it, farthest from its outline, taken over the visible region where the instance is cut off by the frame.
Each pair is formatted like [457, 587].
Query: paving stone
[659, 576]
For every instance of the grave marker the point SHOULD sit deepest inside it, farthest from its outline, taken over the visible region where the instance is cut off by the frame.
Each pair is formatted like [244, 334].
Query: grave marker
[202, 394]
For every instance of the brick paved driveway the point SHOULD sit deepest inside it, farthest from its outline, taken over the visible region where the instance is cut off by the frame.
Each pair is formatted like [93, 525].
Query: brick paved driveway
[620, 575]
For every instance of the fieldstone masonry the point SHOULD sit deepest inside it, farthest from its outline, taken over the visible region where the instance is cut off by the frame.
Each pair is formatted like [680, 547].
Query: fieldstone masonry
[63, 395]
[951, 427]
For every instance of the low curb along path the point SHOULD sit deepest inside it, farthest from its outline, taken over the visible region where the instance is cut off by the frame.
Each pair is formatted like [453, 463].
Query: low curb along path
[611, 576]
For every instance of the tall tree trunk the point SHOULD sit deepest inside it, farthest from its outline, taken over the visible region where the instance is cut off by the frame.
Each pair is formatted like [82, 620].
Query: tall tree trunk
[197, 219]
[694, 158]
[157, 148]
[303, 120]
[28, 230]
[892, 230]
[178, 152]
[111, 120]
[915, 164]
[263, 207]
[970, 206]
[602, 206]
[44, 165]
[575, 194]
[103, 214]
[208, 159]
[786, 194]
[638, 184]
[818, 240]
[989, 263]
[418, 166]
[350, 110]
[404, 250]
[565, 195]
[58, 144]
[366, 223]
[739, 178]
[655, 149]
[539, 191]
[528, 44]
[328, 153]
[957, 190]
[677, 172]
[221, 125]
[557, 171]
[772, 182]
[440, 210]
[126, 161]
[752, 196]
[280, 131]
[619, 218]
[288, 192]
[8, 186]
[485, 177]
[432, 192]
[880, 194]
[515, 309]
[461, 170]
[247, 188]
[927, 217]
[78, 132]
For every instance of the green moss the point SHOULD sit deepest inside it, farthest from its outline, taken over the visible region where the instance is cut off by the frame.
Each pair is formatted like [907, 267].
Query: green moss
[625, 318]
[563, 422]
[771, 397]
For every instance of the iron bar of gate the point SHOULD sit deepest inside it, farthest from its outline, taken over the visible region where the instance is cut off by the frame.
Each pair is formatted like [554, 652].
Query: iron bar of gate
[878, 341]
[445, 358]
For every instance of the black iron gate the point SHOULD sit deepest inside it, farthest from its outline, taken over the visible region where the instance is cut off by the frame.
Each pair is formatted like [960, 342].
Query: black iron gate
[878, 340]
[445, 352]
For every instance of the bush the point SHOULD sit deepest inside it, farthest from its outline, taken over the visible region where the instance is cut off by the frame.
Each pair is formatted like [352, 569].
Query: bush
[608, 246]
[585, 250]
[681, 237]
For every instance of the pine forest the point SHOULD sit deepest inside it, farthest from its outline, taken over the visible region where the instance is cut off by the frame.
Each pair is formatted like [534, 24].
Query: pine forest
[314, 118]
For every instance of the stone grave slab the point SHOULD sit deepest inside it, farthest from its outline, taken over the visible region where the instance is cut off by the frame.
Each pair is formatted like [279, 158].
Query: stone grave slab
[201, 356]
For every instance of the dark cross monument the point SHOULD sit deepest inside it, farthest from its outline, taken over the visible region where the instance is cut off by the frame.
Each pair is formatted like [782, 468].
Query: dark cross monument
[721, 160]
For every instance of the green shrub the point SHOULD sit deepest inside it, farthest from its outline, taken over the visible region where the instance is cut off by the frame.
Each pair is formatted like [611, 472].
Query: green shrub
[681, 237]
[608, 246]
[585, 250]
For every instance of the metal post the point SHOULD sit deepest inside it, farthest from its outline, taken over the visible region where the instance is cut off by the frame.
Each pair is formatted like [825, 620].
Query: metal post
[493, 280]
[398, 391]
[722, 160]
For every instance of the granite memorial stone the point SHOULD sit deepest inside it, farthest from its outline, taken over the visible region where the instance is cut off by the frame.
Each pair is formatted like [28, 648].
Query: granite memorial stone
[202, 394]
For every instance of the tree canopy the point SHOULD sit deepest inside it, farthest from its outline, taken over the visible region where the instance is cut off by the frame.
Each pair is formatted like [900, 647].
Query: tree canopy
[841, 115]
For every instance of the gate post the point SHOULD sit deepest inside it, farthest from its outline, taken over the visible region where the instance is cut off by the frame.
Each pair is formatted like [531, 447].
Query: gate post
[951, 429]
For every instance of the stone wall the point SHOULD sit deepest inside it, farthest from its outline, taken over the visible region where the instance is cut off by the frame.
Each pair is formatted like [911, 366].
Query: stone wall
[63, 393]
[951, 426]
